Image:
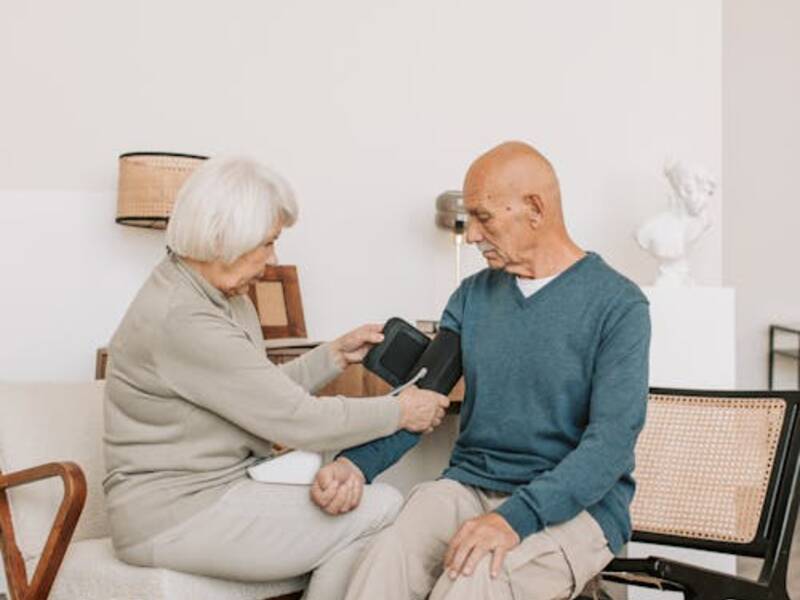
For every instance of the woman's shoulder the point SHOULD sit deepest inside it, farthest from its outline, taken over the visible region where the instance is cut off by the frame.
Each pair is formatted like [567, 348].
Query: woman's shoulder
[163, 294]
[163, 297]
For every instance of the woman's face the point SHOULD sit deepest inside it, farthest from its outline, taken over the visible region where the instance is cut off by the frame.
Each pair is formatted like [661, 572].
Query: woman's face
[236, 278]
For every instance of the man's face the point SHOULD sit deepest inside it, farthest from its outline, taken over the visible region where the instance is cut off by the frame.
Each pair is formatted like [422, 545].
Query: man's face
[499, 224]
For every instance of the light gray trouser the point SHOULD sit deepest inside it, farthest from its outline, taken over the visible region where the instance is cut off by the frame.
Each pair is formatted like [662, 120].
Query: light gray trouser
[404, 561]
[262, 532]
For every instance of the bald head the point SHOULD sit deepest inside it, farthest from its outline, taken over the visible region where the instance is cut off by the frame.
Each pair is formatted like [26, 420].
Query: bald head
[518, 169]
[512, 196]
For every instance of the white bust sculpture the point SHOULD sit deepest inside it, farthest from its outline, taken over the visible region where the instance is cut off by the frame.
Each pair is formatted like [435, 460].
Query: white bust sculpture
[669, 234]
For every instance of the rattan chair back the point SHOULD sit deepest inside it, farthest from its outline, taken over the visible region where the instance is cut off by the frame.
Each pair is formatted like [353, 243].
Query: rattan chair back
[707, 468]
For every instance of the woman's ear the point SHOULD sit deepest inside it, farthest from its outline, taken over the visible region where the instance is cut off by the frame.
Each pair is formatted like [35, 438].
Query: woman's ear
[534, 208]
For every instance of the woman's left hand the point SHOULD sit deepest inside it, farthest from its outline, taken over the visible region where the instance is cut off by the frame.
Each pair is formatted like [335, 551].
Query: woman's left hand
[353, 347]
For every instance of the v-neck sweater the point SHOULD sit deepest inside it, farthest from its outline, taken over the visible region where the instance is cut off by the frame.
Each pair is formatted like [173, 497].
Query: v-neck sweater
[556, 391]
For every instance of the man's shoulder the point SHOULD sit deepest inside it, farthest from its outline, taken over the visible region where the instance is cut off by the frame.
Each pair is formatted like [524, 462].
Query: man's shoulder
[612, 284]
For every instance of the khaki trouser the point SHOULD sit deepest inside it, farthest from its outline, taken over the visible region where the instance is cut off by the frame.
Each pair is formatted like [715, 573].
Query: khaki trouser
[262, 532]
[404, 561]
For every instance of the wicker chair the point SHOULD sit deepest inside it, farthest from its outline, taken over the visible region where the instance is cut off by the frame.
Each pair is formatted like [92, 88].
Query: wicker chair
[715, 471]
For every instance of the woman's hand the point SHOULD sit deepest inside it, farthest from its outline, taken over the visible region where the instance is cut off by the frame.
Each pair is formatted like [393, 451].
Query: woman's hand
[353, 347]
[338, 487]
[421, 410]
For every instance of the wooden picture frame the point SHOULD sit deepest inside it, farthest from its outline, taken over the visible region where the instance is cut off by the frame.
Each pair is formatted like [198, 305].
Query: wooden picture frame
[276, 297]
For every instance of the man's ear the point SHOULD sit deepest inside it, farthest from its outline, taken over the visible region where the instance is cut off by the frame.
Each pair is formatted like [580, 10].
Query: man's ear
[534, 206]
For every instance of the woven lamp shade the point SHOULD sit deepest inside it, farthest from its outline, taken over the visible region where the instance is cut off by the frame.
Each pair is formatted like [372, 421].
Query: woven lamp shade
[148, 184]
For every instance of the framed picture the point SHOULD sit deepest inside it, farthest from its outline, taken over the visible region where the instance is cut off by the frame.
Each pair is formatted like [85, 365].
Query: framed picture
[278, 304]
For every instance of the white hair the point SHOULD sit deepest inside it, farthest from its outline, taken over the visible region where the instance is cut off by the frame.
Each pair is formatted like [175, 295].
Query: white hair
[226, 208]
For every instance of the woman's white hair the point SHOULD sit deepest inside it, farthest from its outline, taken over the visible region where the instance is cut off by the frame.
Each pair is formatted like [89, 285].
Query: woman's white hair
[226, 208]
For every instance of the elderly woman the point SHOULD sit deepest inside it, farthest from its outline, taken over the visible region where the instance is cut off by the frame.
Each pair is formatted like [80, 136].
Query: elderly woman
[192, 401]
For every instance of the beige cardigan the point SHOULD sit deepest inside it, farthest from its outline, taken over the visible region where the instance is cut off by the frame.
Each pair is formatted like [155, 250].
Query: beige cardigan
[192, 401]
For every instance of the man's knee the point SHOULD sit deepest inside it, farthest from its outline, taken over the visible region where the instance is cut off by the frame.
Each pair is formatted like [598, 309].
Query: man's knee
[398, 538]
[478, 585]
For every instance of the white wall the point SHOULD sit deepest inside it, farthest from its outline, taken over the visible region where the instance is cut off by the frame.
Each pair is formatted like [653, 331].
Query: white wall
[369, 108]
[761, 126]
[761, 149]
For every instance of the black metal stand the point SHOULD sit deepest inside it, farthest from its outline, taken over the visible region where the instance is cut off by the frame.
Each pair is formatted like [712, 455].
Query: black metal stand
[793, 353]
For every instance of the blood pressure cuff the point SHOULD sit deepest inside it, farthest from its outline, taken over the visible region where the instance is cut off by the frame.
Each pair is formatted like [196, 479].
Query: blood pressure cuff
[405, 350]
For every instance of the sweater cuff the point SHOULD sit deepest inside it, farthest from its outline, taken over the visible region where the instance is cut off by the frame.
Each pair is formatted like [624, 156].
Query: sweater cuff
[390, 411]
[327, 363]
[369, 469]
[375, 457]
[519, 515]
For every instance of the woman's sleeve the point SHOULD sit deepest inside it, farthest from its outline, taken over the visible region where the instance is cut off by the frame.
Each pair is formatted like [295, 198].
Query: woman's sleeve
[312, 370]
[210, 362]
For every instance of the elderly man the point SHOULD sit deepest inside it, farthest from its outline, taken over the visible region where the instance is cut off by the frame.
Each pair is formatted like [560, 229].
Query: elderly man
[555, 353]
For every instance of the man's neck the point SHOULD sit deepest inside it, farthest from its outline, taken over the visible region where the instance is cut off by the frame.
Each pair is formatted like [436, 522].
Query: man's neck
[548, 260]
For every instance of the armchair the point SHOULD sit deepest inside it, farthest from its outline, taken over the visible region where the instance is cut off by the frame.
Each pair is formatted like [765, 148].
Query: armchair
[47, 431]
[716, 471]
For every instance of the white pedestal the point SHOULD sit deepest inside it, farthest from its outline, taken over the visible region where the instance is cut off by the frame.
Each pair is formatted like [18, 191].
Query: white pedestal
[694, 338]
[693, 346]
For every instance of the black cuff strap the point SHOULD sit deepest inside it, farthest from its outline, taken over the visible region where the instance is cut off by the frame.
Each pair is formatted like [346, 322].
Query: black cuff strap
[405, 350]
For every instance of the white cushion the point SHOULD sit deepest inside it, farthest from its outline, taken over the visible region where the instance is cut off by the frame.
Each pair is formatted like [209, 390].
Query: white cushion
[91, 572]
[52, 422]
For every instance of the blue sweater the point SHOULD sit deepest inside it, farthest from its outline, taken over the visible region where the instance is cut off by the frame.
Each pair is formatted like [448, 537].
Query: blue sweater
[556, 390]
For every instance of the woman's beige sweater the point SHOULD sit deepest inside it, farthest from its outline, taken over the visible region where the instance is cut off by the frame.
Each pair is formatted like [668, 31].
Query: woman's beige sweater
[192, 401]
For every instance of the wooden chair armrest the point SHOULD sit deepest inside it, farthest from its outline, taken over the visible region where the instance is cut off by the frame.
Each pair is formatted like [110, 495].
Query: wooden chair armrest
[58, 540]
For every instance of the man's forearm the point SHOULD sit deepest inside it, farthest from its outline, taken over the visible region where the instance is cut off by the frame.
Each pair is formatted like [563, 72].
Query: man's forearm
[378, 455]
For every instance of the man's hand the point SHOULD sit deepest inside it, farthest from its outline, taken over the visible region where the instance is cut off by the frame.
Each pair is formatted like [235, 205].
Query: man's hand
[338, 486]
[474, 540]
[353, 347]
[421, 410]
